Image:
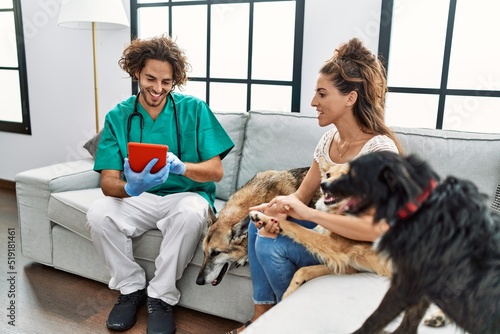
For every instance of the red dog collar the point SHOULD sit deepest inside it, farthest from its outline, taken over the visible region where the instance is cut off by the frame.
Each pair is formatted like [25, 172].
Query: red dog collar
[413, 206]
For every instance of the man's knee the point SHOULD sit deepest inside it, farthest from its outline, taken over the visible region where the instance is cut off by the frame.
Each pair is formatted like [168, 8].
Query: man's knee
[96, 215]
[196, 208]
[191, 217]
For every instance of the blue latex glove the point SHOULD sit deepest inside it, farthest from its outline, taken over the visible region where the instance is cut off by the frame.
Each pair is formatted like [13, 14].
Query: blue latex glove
[137, 183]
[176, 166]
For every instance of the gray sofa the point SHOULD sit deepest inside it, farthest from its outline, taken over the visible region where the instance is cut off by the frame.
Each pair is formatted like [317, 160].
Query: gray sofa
[53, 200]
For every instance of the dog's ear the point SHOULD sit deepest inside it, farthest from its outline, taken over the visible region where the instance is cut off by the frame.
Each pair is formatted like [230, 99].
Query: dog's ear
[401, 177]
[400, 189]
[388, 208]
[389, 178]
[212, 218]
[239, 231]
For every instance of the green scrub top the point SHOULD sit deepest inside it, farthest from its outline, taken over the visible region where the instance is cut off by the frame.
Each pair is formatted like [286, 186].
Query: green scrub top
[202, 138]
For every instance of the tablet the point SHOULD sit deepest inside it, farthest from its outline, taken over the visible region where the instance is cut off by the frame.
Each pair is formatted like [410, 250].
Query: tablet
[140, 154]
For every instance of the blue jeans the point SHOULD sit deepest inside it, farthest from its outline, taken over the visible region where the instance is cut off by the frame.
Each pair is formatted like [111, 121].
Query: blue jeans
[273, 262]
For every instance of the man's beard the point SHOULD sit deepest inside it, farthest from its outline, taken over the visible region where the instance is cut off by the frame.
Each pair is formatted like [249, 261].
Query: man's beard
[147, 98]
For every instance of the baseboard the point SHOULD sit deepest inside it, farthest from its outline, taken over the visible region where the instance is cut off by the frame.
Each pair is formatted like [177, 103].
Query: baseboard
[9, 185]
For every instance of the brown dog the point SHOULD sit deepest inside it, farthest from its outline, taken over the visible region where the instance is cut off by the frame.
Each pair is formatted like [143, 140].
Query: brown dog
[226, 240]
[339, 255]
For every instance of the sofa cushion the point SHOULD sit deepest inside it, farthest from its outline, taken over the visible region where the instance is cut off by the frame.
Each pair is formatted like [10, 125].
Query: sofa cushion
[234, 124]
[69, 209]
[449, 153]
[92, 143]
[277, 140]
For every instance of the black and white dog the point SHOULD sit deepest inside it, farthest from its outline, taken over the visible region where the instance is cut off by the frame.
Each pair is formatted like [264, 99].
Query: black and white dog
[444, 242]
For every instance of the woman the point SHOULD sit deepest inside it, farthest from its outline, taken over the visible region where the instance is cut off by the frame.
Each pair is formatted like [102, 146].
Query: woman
[350, 94]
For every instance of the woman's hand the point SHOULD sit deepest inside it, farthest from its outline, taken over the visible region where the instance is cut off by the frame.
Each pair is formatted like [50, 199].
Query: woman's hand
[272, 228]
[279, 208]
[291, 206]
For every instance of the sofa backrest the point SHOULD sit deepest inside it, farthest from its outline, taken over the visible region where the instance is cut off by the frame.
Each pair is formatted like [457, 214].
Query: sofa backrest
[467, 155]
[277, 140]
[234, 124]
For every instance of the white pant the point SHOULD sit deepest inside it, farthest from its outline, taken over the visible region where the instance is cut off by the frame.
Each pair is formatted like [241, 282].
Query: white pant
[181, 218]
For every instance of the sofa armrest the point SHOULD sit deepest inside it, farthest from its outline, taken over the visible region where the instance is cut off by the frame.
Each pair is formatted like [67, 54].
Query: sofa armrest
[33, 190]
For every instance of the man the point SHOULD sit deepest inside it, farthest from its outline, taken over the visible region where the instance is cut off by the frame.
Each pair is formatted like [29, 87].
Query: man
[176, 200]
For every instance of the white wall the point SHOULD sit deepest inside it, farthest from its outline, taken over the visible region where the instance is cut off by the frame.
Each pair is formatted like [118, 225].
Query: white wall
[327, 24]
[60, 75]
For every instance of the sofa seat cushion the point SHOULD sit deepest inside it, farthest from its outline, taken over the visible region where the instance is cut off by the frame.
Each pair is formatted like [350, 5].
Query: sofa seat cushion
[69, 209]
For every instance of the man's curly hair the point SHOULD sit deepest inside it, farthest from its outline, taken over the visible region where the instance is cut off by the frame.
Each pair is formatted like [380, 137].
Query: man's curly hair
[161, 48]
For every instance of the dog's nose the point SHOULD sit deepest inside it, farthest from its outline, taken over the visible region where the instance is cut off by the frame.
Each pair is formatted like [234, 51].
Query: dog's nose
[324, 185]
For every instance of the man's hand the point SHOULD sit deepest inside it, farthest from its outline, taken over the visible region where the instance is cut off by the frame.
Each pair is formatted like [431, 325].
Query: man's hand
[176, 166]
[137, 183]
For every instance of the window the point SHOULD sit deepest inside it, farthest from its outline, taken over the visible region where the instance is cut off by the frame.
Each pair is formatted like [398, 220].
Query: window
[442, 61]
[245, 54]
[14, 114]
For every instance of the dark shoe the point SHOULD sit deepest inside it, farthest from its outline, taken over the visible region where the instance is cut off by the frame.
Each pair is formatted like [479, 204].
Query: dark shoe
[160, 317]
[123, 315]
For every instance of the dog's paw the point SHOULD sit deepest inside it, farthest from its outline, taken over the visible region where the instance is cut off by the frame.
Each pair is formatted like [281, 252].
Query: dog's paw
[436, 319]
[258, 216]
[241, 262]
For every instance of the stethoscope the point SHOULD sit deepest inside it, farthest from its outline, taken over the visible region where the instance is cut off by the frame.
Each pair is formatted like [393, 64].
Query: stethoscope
[141, 118]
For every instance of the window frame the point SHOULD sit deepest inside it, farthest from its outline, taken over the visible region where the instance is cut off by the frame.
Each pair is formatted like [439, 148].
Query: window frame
[24, 127]
[295, 83]
[443, 91]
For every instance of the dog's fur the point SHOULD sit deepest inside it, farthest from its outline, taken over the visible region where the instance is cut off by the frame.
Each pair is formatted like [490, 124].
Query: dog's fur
[444, 243]
[337, 254]
[225, 242]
